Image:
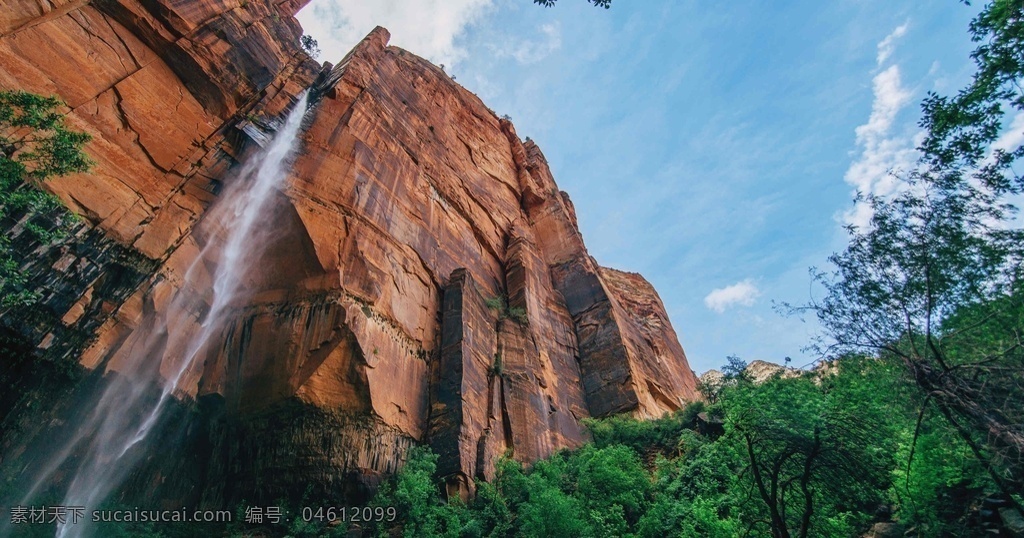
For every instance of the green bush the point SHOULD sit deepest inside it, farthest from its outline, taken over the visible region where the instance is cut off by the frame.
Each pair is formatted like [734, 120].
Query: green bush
[415, 495]
[645, 436]
[499, 304]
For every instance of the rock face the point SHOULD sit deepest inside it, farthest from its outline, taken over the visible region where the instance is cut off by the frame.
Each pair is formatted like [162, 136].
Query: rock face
[427, 281]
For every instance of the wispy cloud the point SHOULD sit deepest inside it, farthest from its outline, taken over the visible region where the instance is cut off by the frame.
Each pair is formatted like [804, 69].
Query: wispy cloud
[1013, 137]
[743, 293]
[428, 28]
[888, 45]
[881, 150]
[526, 51]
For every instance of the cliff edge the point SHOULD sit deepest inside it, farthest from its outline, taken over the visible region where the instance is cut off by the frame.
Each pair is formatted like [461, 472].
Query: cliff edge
[426, 281]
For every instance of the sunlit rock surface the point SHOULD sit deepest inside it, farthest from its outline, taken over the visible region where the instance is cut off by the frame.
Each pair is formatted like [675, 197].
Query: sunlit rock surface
[425, 280]
[759, 371]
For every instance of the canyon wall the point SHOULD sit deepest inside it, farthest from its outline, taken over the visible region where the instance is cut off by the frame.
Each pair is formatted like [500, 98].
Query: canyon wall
[426, 281]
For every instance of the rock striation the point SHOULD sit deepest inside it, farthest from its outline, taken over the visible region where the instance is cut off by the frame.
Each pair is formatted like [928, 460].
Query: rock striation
[426, 281]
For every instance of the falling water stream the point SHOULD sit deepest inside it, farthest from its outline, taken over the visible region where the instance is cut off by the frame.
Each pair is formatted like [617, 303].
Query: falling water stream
[106, 444]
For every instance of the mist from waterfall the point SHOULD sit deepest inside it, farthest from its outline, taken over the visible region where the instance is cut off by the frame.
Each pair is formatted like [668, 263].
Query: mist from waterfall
[109, 442]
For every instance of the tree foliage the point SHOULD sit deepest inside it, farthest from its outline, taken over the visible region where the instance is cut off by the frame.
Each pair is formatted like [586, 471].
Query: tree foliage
[962, 129]
[310, 45]
[821, 448]
[414, 494]
[812, 446]
[935, 280]
[34, 139]
[35, 144]
[646, 437]
[599, 3]
[840, 437]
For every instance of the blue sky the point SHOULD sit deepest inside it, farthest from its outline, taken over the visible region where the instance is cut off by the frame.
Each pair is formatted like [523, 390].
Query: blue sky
[715, 151]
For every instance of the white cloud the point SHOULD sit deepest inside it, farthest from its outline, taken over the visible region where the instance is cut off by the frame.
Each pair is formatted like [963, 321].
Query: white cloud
[882, 150]
[1013, 137]
[743, 293]
[427, 28]
[888, 45]
[528, 52]
[1008, 141]
[890, 97]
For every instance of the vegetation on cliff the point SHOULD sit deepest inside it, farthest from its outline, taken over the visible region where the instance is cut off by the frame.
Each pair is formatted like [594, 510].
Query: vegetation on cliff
[35, 144]
[822, 454]
[832, 452]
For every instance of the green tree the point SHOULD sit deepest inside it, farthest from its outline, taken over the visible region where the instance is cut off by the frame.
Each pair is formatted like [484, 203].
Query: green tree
[414, 494]
[613, 485]
[310, 45]
[35, 144]
[936, 478]
[929, 257]
[645, 437]
[551, 512]
[816, 451]
[935, 280]
[962, 129]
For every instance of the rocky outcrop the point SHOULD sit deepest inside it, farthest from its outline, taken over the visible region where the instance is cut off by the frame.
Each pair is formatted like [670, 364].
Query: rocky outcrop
[426, 280]
[759, 371]
[159, 85]
[417, 200]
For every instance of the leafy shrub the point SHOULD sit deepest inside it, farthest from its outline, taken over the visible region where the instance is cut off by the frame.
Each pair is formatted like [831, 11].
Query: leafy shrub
[644, 436]
[500, 305]
[35, 145]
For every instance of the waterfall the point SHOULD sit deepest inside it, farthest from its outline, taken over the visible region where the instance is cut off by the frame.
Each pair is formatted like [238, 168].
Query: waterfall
[106, 444]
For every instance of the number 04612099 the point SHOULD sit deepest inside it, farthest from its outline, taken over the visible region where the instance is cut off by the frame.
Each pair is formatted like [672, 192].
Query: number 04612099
[348, 513]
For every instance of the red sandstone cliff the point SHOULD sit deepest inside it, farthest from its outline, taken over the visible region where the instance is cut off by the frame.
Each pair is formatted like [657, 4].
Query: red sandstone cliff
[428, 282]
